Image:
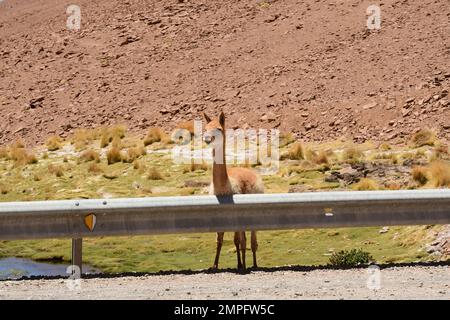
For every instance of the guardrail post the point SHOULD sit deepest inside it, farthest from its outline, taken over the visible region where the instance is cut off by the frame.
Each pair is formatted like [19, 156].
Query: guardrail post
[77, 249]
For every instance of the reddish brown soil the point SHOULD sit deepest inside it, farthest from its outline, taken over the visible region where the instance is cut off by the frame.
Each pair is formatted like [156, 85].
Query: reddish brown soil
[307, 66]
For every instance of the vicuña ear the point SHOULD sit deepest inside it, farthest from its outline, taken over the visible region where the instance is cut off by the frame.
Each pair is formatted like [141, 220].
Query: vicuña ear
[208, 119]
[222, 119]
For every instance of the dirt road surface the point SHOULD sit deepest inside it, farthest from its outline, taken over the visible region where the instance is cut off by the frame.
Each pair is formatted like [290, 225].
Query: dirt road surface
[395, 283]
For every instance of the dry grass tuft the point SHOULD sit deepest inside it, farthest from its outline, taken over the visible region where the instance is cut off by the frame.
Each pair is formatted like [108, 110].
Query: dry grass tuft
[320, 157]
[54, 143]
[295, 152]
[111, 134]
[18, 144]
[419, 174]
[90, 155]
[140, 166]
[57, 170]
[154, 174]
[4, 189]
[95, 168]
[132, 154]
[352, 155]
[21, 156]
[440, 174]
[83, 137]
[440, 152]
[366, 184]
[114, 155]
[155, 134]
[385, 146]
[286, 139]
[195, 166]
[422, 138]
[3, 153]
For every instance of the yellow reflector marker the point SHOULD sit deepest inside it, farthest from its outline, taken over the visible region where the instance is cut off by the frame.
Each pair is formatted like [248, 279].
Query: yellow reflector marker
[90, 221]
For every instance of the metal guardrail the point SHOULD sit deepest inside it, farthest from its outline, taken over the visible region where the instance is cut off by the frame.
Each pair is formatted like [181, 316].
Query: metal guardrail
[77, 219]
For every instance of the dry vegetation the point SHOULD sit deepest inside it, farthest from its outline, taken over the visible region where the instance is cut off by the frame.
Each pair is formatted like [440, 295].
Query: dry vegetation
[295, 152]
[134, 153]
[95, 168]
[352, 154]
[127, 169]
[21, 156]
[54, 143]
[366, 184]
[154, 174]
[440, 174]
[195, 166]
[111, 134]
[420, 175]
[422, 138]
[55, 169]
[82, 138]
[156, 134]
[3, 189]
[90, 155]
[114, 155]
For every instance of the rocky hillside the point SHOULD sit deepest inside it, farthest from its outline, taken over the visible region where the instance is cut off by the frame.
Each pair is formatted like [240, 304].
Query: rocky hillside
[308, 66]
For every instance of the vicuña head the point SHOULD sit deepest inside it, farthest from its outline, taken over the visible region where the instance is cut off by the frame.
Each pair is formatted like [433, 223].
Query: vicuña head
[229, 181]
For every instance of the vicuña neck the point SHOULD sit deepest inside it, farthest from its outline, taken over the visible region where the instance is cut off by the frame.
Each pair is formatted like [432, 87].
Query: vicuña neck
[220, 175]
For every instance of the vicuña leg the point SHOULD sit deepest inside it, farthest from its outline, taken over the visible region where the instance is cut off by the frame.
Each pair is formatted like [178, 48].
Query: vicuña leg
[219, 247]
[243, 243]
[238, 252]
[254, 248]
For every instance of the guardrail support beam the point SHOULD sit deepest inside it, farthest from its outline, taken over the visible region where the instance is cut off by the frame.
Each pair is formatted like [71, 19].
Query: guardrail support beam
[77, 250]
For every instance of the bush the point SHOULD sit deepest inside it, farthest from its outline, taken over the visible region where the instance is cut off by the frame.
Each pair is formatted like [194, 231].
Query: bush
[21, 156]
[154, 174]
[111, 134]
[320, 157]
[440, 174]
[3, 189]
[286, 139]
[366, 184]
[419, 174]
[3, 153]
[385, 146]
[352, 155]
[57, 170]
[352, 258]
[133, 154]
[82, 137]
[54, 143]
[95, 168]
[295, 152]
[195, 166]
[156, 135]
[114, 155]
[422, 138]
[90, 155]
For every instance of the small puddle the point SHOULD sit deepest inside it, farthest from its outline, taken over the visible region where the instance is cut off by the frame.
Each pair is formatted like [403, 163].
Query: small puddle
[16, 268]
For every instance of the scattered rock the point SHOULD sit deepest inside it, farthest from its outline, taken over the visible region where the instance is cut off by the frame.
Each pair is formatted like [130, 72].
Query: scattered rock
[36, 102]
[368, 106]
[384, 230]
[272, 18]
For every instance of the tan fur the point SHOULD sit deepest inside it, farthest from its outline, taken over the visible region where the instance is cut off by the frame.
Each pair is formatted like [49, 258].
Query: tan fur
[242, 181]
[229, 181]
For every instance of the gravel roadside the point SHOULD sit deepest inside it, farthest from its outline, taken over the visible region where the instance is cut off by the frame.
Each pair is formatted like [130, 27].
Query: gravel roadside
[395, 283]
